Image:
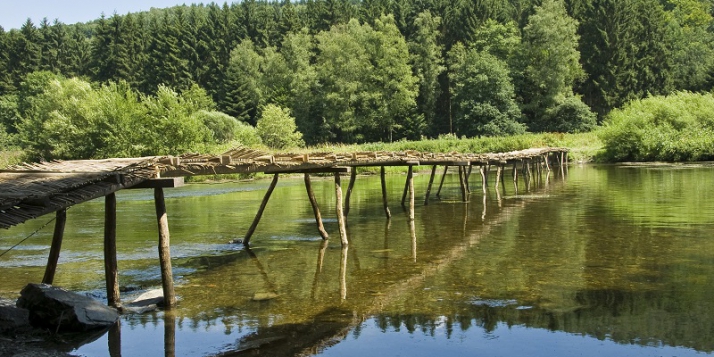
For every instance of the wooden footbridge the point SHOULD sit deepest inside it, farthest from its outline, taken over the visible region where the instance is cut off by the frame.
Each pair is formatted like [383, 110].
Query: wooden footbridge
[29, 191]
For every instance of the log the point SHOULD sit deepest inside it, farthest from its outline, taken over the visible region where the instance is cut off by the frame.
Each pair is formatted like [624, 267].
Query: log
[110, 249]
[315, 208]
[384, 193]
[258, 215]
[353, 177]
[431, 182]
[60, 221]
[167, 278]
[340, 214]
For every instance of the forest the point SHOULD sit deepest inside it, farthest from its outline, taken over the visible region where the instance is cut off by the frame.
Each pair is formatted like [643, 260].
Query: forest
[285, 74]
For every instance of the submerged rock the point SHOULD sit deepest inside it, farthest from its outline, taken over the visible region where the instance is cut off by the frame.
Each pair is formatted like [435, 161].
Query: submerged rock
[264, 296]
[62, 310]
[146, 302]
[13, 319]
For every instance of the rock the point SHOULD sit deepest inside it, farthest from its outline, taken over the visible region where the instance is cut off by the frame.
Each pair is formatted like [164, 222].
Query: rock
[62, 310]
[13, 319]
[151, 297]
[264, 296]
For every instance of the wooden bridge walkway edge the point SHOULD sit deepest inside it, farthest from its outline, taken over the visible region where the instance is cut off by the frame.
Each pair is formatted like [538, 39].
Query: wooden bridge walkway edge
[28, 191]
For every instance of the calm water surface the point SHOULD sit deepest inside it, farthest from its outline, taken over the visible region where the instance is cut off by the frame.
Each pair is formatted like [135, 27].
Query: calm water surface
[613, 260]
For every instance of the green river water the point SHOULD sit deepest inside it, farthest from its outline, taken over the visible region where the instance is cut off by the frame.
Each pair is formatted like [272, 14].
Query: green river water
[611, 260]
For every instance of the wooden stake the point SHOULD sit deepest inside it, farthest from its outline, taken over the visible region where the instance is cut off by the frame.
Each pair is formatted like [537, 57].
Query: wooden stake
[258, 215]
[484, 183]
[547, 164]
[114, 339]
[353, 177]
[60, 221]
[338, 209]
[169, 334]
[438, 193]
[410, 174]
[110, 249]
[499, 171]
[462, 183]
[468, 175]
[167, 278]
[384, 193]
[315, 208]
[515, 171]
[343, 273]
[431, 182]
[410, 181]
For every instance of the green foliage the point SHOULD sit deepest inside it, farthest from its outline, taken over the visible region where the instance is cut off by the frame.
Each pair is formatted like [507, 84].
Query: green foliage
[68, 119]
[550, 64]
[277, 129]
[242, 83]
[679, 127]
[571, 116]
[483, 95]
[428, 64]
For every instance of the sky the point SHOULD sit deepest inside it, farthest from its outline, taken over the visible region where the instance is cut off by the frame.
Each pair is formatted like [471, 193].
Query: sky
[14, 13]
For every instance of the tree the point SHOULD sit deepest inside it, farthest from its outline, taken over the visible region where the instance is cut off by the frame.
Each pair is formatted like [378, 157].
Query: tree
[428, 64]
[693, 45]
[625, 49]
[483, 94]
[242, 83]
[550, 62]
[276, 127]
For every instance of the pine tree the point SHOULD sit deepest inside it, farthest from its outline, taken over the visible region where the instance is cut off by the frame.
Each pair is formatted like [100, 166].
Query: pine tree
[27, 50]
[428, 63]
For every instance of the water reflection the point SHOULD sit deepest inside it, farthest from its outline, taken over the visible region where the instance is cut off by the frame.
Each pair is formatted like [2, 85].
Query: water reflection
[621, 256]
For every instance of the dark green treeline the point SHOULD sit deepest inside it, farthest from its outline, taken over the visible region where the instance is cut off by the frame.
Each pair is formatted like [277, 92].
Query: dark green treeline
[380, 70]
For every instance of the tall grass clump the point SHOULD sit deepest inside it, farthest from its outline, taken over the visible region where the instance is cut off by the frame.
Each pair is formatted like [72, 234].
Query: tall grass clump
[678, 127]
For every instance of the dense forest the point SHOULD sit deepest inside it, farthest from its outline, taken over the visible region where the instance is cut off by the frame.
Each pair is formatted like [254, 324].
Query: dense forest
[341, 71]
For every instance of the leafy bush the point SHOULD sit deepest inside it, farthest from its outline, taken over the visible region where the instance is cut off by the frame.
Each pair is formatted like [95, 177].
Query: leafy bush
[679, 127]
[570, 116]
[277, 128]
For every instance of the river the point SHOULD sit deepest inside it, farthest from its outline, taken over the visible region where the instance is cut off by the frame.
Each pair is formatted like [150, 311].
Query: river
[614, 260]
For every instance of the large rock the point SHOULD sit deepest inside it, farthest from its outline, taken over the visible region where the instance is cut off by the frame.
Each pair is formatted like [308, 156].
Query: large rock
[63, 310]
[13, 319]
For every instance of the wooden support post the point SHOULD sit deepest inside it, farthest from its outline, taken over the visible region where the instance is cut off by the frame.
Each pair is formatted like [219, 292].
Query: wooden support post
[438, 192]
[110, 249]
[343, 273]
[515, 171]
[410, 183]
[167, 277]
[431, 182]
[169, 334]
[499, 171]
[410, 173]
[468, 175]
[114, 339]
[315, 208]
[384, 193]
[60, 221]
[462, 183]
[353, 177]
[545, 159]
[258, 215]
[338, 209]
[484, 183]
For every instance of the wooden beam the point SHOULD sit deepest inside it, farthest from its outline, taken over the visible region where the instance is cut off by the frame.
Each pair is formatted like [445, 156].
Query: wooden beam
[326, 170]
[60, 221]
[384, 193]
[258, 215]
[315, 207]
[339, 212]
[110, 249]
[170, 182]
[167, 279]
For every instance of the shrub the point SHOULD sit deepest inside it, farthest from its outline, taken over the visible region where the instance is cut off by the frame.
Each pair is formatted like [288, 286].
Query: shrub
[679, 127]
[570, 116]
[277, 128]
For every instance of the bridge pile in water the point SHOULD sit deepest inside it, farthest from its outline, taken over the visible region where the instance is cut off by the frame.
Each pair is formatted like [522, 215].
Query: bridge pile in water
[28, 191]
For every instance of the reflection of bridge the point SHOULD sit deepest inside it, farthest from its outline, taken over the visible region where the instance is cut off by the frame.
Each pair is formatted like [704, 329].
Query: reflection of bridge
[32, 190]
